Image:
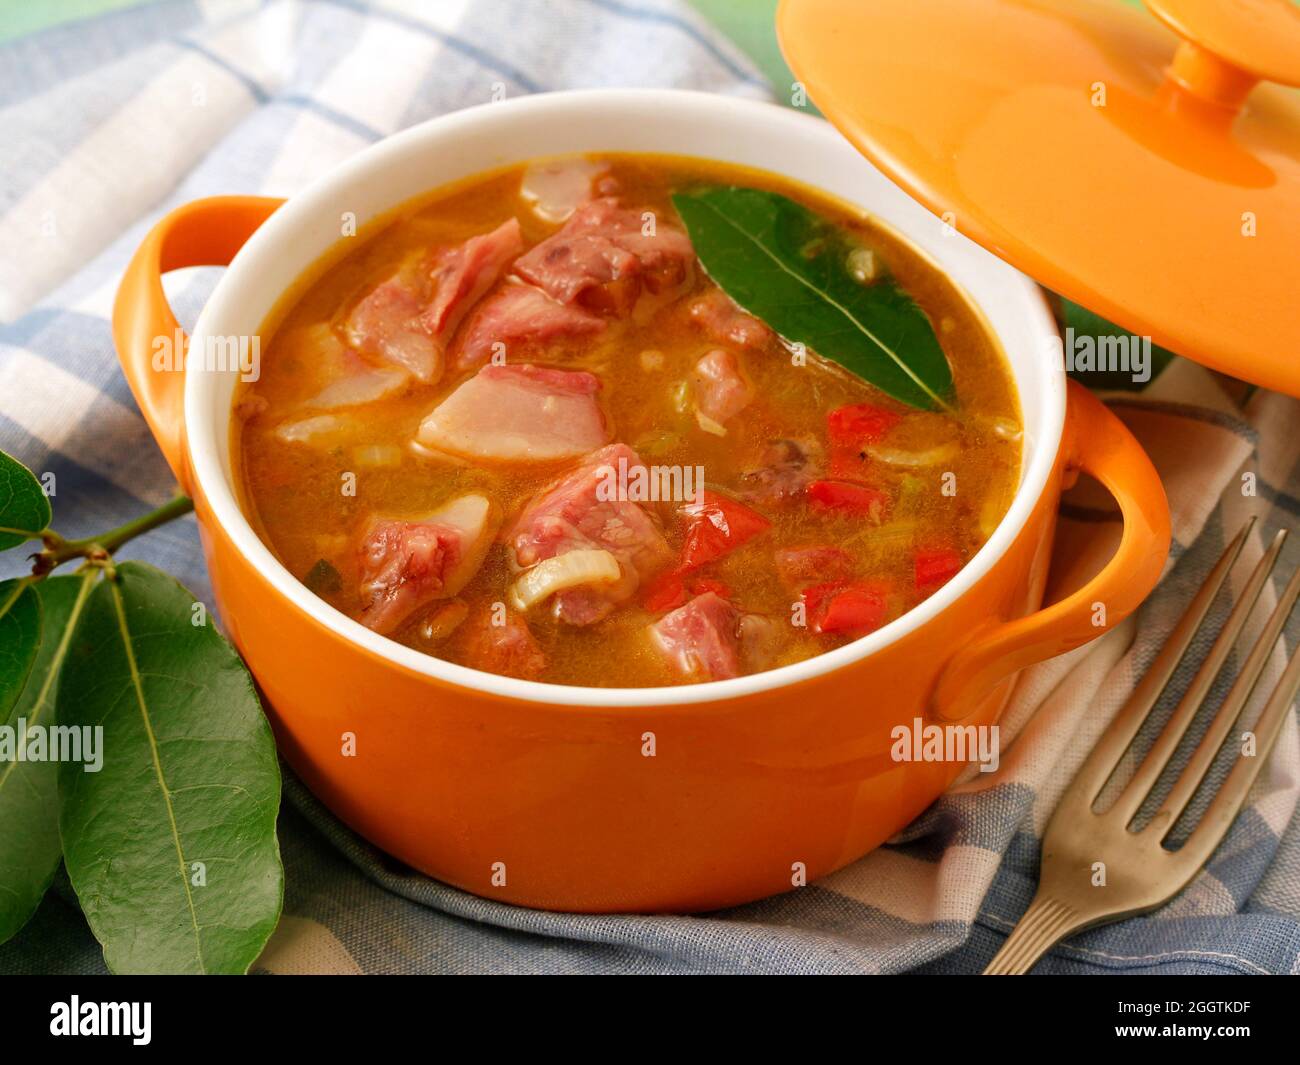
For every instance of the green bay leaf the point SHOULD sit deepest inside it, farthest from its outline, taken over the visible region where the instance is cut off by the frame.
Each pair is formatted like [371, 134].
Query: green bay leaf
[20, 635]
[787, 265]
[171, 846]
[24, 508]
[29, 794]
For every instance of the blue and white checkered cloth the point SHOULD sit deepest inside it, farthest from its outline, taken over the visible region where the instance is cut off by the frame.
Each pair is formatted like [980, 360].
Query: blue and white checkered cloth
[109, 123]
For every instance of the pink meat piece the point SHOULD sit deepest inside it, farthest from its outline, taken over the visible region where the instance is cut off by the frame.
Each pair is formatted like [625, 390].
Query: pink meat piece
[462, 275]
[785, 468]
[520, 317]
[701, 639]
[387, 325]
[719, 387]
[725, 323]
[509, 648]
[396, 321]
[405, 565]
[570, 515]
[601, 258]
[520, 413]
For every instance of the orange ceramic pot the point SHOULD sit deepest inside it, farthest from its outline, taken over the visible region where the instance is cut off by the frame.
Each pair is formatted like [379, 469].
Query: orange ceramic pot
[617, 799]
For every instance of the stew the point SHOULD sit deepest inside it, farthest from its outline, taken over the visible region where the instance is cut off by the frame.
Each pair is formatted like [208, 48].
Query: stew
[522, 428]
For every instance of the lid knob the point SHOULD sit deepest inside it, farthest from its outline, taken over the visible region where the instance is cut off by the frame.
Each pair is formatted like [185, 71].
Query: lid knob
[1230, 45]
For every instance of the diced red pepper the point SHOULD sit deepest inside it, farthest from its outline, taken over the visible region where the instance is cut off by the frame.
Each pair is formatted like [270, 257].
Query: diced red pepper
[856, 609]
[849, 498]
[673, 588]
[815, 598]
[717, 525]
[862, 423]
[668, 592]
[836, 607]
[850, 430]
[936, 566]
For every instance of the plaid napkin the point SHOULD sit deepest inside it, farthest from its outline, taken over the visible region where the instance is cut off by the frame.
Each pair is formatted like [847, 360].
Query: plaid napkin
[110, 123]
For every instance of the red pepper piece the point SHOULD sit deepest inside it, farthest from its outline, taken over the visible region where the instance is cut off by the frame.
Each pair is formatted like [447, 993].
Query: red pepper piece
[936, 566]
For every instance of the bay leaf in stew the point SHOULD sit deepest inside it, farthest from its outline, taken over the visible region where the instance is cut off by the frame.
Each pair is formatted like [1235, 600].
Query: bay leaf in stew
[790, 267]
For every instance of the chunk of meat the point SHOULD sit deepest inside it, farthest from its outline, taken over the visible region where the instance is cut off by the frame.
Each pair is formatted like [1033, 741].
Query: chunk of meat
[664, 251]
[720, 388]
[507, 648]
[405, 565]
[388, 325]
[577, 513]
[518, 413]
[603, 256]
[725, 323]
[520, 317]
[701, 640]
[783, 471]
[462, 275]
[800, 567]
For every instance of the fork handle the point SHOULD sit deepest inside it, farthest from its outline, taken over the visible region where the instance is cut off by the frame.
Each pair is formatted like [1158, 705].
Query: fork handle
[1043, 925]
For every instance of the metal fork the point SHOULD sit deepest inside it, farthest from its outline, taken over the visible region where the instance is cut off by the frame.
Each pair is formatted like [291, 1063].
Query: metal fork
[1094, 868]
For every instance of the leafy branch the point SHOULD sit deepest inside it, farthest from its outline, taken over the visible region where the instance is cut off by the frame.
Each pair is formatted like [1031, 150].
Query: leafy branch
[97, 549]
[163, 807]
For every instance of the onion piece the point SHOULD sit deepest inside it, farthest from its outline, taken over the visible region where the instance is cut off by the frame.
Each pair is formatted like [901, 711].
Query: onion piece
[709, 425]
[896, 456]
[569, 570]
[312, 430]
[359, 388]
[861, 263]
[441, 622]
[556, 188]
[377, 455]
[1006, 429]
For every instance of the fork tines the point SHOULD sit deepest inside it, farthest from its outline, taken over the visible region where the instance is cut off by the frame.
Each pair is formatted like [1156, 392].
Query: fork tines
[1227, 803]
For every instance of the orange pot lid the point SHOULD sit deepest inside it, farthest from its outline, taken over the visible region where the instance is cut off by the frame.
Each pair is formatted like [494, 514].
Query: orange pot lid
[1139, 166]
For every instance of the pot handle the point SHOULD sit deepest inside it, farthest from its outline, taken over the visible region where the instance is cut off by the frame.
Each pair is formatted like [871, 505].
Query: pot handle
[1099, 444]
[204, 232]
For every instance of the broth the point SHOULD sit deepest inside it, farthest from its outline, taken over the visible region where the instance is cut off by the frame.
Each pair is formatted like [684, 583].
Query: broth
[313, 488]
